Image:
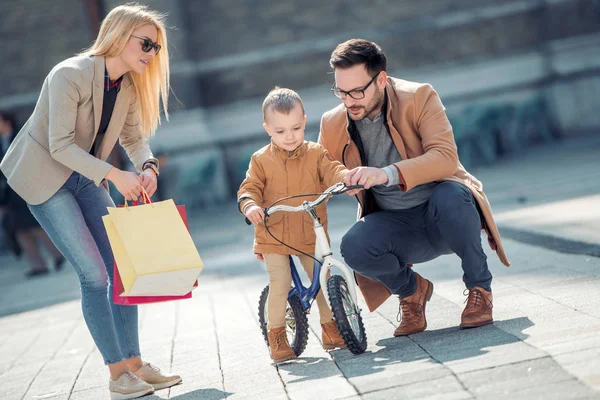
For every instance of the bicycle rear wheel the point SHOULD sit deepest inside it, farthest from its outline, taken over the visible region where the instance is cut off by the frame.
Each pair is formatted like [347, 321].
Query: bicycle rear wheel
[347, 315]
[296, 322]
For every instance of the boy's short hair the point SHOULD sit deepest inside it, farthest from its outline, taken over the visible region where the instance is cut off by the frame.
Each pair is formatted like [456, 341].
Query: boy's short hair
[281, 100]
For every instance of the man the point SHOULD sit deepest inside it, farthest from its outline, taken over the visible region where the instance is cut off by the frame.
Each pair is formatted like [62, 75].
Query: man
[420, 202]
[22, 231]
[6, 136]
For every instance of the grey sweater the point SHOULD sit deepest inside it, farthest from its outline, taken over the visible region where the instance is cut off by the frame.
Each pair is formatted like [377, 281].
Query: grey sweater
[381, 152]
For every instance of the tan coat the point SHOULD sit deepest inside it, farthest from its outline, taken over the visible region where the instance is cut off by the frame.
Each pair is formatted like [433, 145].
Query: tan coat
[423, 135]
[275, 173]
[58, 136]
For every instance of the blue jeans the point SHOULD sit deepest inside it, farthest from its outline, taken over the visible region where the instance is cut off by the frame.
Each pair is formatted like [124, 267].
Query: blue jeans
[73, 220]
[382, 244]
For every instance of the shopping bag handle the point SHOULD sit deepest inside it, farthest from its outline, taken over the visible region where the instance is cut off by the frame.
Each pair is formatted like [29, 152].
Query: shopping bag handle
[145, 199]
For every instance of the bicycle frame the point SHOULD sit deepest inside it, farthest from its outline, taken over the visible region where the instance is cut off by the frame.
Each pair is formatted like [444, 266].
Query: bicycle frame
[322, 252]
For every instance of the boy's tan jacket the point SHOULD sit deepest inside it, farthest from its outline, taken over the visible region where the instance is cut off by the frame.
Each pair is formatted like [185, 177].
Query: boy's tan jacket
[275, 173]
[58, 136]
[423, 135]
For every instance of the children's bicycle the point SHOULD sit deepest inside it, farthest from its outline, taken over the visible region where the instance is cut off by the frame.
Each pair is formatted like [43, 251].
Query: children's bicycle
[339, 289]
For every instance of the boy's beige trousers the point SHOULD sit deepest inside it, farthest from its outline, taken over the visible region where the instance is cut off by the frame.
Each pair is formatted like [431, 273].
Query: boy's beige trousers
[280, 282]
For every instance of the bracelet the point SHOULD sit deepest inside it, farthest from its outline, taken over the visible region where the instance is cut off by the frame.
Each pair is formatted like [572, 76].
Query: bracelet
[151, 161]
[152, 166]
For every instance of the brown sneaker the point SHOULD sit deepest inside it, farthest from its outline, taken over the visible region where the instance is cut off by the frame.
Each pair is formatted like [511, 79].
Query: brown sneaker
[412, 309]
[478, 311]
[331, 336]
[279, 346]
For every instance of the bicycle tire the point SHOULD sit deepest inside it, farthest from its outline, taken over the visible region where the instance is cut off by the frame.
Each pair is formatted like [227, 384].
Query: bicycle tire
[338, 290]
[298, 344]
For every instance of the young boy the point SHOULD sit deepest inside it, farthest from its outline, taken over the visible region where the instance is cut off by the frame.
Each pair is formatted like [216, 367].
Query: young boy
[287, 166]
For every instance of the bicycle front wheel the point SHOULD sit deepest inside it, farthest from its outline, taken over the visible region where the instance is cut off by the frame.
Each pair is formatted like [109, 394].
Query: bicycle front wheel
[347, 315]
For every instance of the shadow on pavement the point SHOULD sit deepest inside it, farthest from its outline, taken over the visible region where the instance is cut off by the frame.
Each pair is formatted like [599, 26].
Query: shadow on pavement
[419, 352]
[205, 394]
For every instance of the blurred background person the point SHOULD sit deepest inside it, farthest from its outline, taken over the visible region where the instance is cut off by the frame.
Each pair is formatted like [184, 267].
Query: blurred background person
[21, 229]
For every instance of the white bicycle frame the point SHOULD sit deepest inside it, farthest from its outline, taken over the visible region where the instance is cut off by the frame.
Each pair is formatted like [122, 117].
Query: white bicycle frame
[322, 247]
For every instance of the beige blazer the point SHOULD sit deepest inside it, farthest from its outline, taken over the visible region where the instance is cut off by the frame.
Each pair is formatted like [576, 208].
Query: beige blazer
[423, 136]
[57, 138]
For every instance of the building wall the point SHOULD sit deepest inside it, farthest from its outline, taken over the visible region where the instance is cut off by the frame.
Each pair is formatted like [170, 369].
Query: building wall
[260, 45]
[229, 50]
[497, 64]
[34, 36]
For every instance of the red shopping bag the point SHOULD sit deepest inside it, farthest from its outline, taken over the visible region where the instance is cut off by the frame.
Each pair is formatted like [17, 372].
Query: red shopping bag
[135, 300]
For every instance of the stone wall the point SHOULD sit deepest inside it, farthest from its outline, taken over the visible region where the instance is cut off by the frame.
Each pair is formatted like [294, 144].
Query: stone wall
[260, 45]
[229, 50]
[499, 65]
[34, 36]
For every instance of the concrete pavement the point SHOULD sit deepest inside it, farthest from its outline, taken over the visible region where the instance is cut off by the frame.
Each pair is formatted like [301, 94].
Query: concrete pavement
[545, 342]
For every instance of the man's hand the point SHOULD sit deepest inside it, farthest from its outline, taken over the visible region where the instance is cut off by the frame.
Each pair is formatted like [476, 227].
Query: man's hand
[149, 181]
[255, 214]
[366, 176]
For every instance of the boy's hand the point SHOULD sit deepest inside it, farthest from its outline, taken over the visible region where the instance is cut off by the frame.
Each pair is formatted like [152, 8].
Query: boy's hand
[259, 257]
[255, 214]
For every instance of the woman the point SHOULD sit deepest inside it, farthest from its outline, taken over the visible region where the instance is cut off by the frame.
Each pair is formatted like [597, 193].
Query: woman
[114, 90]
[21, 229]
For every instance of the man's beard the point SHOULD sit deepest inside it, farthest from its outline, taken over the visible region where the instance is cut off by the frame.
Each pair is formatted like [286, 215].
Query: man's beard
[378, 102]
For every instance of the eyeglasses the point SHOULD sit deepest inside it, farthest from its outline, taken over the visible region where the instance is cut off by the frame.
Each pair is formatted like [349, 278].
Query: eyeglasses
[148, 45]
[356, 94]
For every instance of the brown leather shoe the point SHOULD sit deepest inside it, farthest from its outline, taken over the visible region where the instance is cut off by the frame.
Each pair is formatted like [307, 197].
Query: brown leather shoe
[478, 311]
[331, 336]
[279, 346]
[412, 309]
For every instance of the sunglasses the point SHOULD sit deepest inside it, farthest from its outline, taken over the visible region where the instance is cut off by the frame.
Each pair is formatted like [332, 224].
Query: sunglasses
[148, 45]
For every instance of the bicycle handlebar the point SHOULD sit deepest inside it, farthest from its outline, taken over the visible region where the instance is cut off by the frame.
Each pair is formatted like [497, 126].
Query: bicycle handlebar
[336, 189]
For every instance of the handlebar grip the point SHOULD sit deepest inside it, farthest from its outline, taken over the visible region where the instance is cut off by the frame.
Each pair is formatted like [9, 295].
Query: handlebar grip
[348, 188]
[354, 187]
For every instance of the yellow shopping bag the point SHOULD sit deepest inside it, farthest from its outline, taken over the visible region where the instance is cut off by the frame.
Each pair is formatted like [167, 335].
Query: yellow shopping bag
[153, 249]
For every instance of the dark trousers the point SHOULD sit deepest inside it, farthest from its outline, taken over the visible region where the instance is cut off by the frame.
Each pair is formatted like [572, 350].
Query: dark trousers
[382, 244]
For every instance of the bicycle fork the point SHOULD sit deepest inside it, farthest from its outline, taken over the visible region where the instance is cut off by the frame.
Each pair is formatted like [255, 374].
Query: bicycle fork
[322, 248]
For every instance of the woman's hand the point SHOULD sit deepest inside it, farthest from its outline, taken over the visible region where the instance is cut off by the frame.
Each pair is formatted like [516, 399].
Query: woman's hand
[129, 184]
[259, 257]
[255, 214]
[149, 181]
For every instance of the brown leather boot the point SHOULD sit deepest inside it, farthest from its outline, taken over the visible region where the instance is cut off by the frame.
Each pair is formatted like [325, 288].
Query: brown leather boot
[331, 336]
[478, 311]
[412, 309]
[279, 346]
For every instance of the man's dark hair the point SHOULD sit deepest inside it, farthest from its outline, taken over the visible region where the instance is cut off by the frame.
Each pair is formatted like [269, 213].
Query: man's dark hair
[358, 51]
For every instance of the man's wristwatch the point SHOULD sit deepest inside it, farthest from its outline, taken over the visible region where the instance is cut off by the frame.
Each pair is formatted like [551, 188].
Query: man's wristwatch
[150, 165]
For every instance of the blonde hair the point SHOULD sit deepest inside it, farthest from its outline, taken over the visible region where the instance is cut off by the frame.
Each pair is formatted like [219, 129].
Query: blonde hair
[151, 88]
[281, 100]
